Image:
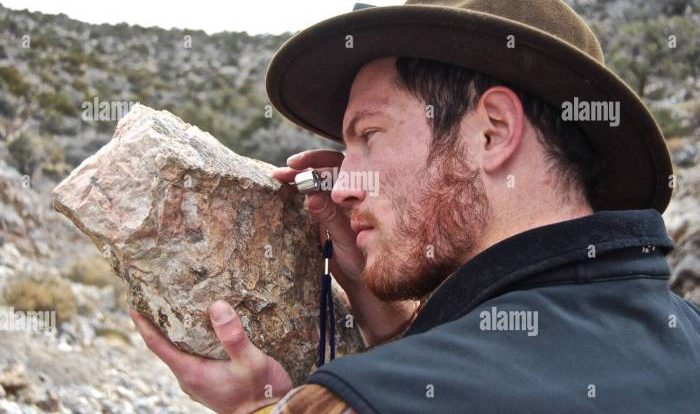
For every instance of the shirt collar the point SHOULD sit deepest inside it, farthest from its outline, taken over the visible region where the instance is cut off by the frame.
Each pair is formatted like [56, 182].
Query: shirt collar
[506, 264]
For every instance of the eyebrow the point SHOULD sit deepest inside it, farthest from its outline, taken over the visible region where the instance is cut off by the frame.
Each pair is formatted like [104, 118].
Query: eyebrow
[350, 130]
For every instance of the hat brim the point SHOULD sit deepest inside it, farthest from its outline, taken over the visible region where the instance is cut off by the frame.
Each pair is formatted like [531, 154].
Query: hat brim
[309, 80]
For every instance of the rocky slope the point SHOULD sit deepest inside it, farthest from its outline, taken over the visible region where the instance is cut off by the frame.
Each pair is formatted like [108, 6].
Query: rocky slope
[95, 362]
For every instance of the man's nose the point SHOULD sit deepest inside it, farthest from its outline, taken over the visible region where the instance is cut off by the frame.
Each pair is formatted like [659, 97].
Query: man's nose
[346, 191]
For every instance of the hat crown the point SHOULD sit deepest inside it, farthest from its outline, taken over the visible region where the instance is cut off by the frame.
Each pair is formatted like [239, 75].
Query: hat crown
[551, 16]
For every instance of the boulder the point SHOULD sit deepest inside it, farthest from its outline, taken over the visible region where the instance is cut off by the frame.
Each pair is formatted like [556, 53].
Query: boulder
[184, 221]
[13, 378]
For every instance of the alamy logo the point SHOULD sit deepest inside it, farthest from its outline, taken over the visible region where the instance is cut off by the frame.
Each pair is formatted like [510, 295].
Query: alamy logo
[29, 321]
[367, 181]
[510, 320]
[97, 110]
[597, 111]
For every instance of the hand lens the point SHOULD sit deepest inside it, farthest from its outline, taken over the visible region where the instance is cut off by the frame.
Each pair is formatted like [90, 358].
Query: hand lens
[307, 181]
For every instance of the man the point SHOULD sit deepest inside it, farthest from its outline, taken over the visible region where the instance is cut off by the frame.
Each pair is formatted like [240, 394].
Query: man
[531, 237]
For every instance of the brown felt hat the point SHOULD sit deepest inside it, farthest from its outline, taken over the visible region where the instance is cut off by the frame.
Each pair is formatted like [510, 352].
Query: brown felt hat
[556, 57]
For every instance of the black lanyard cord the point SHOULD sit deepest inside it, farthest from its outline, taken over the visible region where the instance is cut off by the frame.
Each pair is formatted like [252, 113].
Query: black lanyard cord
[326, 311]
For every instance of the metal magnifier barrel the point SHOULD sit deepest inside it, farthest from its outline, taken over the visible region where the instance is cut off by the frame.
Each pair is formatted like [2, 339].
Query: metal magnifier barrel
[308, 181]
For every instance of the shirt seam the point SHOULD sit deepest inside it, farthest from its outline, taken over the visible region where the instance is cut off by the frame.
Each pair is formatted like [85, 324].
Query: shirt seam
[344, 390]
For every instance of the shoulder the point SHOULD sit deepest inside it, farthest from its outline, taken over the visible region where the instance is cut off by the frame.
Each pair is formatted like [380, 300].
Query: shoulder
[546, 346]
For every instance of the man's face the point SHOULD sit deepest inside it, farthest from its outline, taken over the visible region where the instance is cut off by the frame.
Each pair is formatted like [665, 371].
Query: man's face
[425, 217]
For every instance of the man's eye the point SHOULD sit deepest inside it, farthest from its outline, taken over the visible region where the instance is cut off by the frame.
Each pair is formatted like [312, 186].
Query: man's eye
[368, 134]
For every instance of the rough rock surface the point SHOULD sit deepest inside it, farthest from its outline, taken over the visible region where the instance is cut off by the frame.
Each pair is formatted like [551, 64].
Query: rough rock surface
[185, 221]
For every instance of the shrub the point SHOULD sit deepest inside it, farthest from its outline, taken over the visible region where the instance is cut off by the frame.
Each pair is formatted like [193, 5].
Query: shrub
[7, 109]
[92, 271]
[80, 86]
[31, 152]
[56, 124]
[40, 41]
[672, 124]
[56, 171]
[14, 80]
[73, 62]
[24, 152]
[57, 102]
[8, 24]
[113, 333]
[46, 295]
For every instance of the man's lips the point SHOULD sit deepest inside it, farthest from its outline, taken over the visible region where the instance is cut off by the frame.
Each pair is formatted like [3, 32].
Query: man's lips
[361, 236]
[358, 227]
[361, 229]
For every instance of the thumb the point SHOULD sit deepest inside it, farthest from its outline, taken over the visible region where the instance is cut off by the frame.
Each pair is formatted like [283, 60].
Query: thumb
[321, 208]
[229, 329]
[332, 218]
[324, 211]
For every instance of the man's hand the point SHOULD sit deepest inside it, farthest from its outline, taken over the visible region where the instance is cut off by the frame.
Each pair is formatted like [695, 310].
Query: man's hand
[239, 385]
[348, 260]
[378, 320]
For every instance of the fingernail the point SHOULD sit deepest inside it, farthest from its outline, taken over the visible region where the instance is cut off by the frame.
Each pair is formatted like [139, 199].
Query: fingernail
[221, 312]
[293, 158]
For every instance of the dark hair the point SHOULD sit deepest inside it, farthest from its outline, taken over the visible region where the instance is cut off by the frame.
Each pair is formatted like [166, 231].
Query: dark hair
[454, 91]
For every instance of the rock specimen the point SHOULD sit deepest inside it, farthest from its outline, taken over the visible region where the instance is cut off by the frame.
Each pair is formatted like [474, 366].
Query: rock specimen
[185, 222]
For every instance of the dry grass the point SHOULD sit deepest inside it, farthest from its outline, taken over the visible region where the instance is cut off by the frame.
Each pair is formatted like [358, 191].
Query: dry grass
[92, 271]
[46, 295]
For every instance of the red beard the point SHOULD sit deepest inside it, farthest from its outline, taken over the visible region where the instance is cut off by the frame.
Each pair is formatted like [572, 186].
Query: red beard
[437, 226]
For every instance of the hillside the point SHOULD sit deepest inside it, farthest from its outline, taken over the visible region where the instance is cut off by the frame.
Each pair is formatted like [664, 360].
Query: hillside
[50, 66]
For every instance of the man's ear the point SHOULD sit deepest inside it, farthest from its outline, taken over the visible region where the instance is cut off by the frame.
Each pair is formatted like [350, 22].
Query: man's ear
[502, 113]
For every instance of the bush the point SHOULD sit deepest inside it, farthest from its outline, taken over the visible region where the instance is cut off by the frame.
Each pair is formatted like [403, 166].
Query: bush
[23, 151]
[93, 271]
[672, 124]
[56, 171]
[73, 62]
[8, 24]
[57, 102]
[80, 86]
[14, 80]
[40, 41]
[113, 333]
[31, 152]
[7, 109]
[139, 79]
[47, 295]
[56, 124]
